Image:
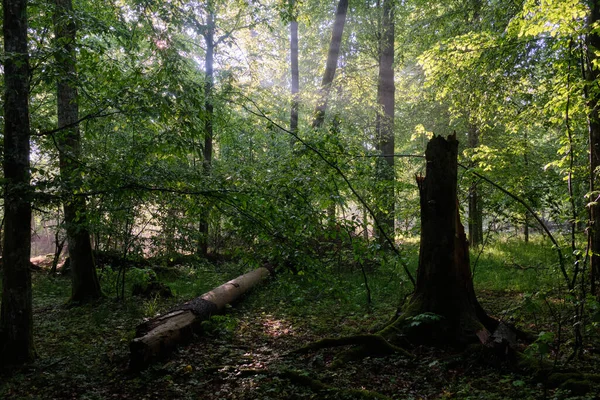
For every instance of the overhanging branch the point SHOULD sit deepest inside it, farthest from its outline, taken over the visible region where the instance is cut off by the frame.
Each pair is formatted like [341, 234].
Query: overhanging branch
[99, 114]
[332, 165]
[561, 260]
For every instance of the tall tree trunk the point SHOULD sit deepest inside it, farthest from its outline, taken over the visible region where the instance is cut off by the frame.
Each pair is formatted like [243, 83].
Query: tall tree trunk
[475, 222]
[475, 209]
[328, 76]
[85, 284]
[209, 38]
[332, 60]
[593, 101]
[294, 68]
[444, 282]
[386, 91]
[526, 163]
[16, 317]
[208, 92]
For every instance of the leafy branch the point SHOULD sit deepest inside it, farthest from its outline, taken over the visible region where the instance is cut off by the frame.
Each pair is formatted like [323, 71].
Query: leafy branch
[333, 165]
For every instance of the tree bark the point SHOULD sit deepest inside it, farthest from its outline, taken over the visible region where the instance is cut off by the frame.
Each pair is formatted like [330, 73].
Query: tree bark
[328, 76]
[444, 282]
[16, 317]
[527, 185]
[294, 68]
[59, 244]
[386, 90]
[209, 38]
[85, 284]
[475, 209]
[332, 60]
[593, 101]
[155, 338]
[475, 222]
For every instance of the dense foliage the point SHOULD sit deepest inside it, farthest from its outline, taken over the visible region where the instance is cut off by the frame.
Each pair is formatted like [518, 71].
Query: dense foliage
[143, 111]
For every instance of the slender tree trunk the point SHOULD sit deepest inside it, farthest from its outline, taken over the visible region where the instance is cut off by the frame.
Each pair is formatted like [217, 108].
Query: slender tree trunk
[593, 101]
[209, 38]
[208, 92]
[328, 76]
[475, 222]
[16, 318]
[365, 223]
[526, 219]
[332, 60]
[386, 91]
[85, 284]
[475, 209]
[294, 68]
[59, 244]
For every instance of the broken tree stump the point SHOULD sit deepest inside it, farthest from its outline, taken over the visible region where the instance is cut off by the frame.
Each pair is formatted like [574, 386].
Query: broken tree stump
[444, 302]
[158, 336]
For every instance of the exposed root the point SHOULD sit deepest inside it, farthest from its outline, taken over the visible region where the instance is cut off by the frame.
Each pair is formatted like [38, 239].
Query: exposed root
[315, 385]
[375, 345]
[576, 382]
[381, 326]
[302, 379]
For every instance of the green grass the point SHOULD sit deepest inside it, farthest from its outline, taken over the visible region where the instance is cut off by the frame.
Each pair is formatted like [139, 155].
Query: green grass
[327, 297]
[513, 265]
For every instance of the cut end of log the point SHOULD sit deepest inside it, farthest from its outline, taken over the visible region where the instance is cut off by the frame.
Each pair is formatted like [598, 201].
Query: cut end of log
[159, 336]
[173, 329]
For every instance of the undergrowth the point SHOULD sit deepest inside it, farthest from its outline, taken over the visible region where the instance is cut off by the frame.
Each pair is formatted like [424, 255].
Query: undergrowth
[242, 354]
[513, 265]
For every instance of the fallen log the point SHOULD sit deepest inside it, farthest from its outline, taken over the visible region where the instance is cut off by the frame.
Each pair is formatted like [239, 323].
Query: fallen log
[158, 336]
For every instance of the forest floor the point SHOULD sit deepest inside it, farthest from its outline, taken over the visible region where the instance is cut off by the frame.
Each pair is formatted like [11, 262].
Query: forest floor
[246, 352]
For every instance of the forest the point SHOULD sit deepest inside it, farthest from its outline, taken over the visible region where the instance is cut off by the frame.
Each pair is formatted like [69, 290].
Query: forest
[300, 199]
